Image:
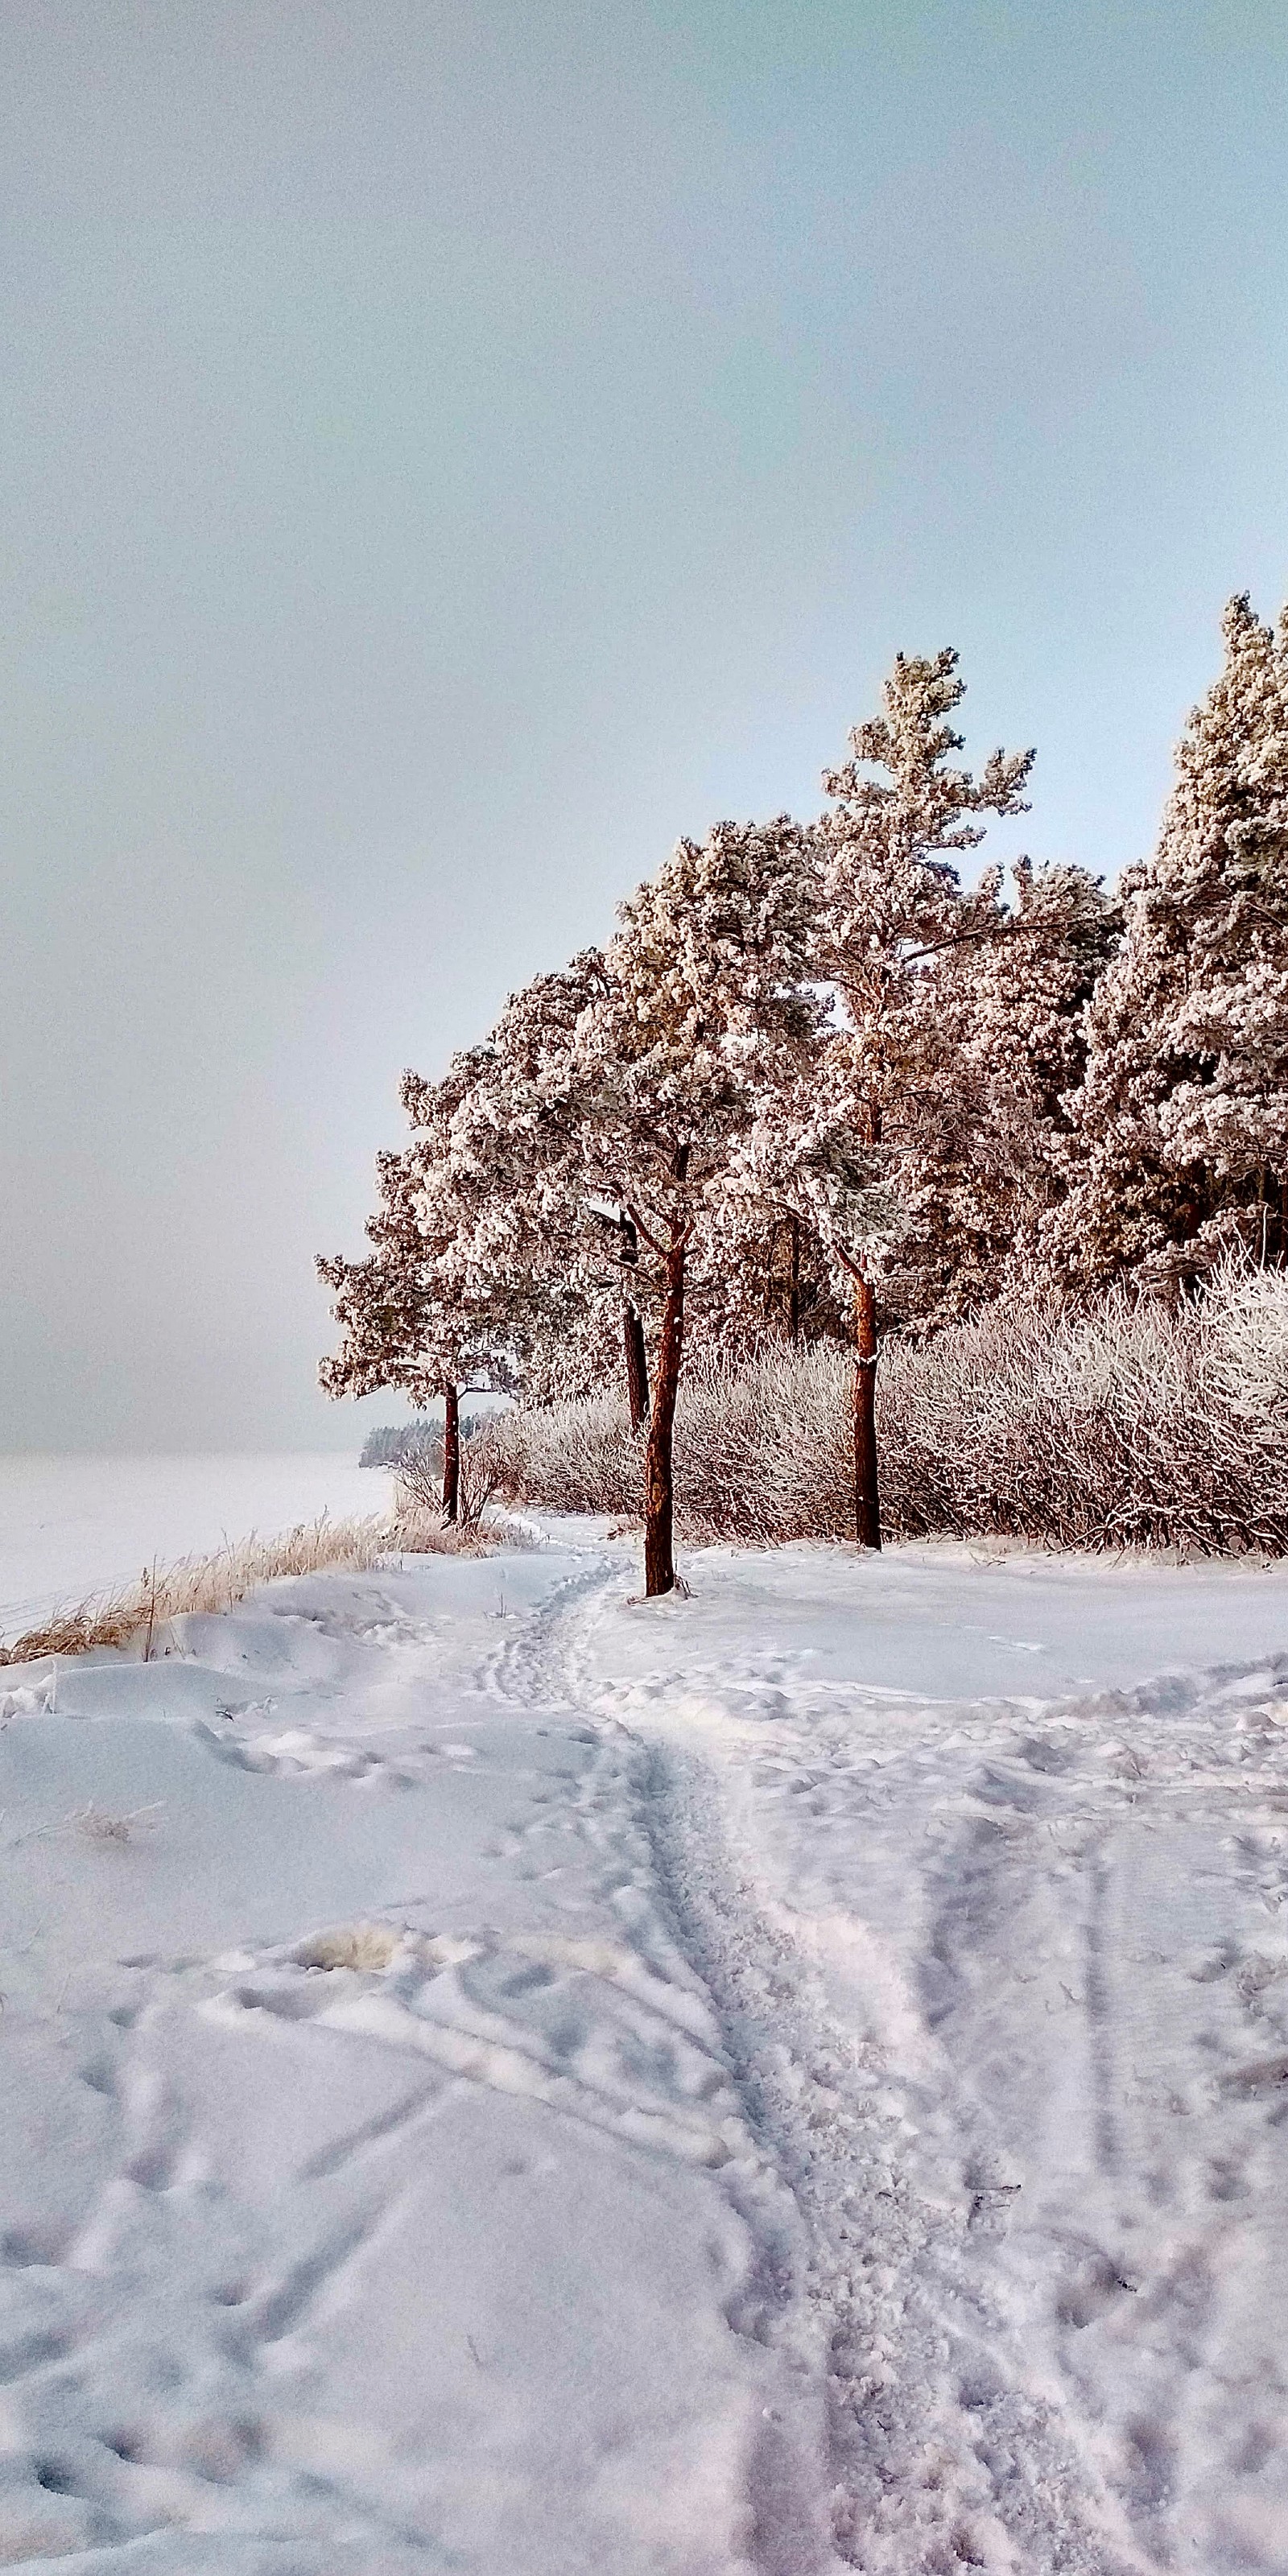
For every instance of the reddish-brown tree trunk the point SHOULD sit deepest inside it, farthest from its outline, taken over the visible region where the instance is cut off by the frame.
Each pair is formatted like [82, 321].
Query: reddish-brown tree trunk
[632, 1327]
[659, 1492]
[451, 1454]
[794, 1282]
[867, 1504]
[636, 1365]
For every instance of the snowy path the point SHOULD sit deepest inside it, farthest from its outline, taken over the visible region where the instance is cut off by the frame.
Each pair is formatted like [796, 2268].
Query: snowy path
[496, 2078]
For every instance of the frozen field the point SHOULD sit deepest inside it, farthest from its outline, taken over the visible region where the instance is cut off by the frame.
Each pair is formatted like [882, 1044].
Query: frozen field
[71, 1526]
[500, 2079]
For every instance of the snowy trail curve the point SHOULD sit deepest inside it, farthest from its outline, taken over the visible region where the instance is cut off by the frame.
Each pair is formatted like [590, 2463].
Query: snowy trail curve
[785, 2081]
[939, 2457]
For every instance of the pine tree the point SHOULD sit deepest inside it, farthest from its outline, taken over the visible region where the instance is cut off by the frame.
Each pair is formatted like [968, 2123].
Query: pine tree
[1180, 1142]
[1005, 1018]
[413, 1312]
[891, 901]
[810, 1072]
[704, 1007]
[765, 1277]
[539, 1250]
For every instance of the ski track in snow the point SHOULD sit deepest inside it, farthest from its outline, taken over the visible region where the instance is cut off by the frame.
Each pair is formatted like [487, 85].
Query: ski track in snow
[961, 2430]
[939, 2459]
[728, 2119]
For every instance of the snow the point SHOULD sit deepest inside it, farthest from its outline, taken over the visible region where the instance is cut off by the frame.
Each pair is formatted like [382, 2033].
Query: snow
[502, 2077]
[72, 1526]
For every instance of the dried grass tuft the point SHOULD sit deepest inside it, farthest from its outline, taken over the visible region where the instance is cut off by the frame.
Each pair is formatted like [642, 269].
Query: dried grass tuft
[99, 1826]
[194, 1584]
[420, 1530]
[140, 1614]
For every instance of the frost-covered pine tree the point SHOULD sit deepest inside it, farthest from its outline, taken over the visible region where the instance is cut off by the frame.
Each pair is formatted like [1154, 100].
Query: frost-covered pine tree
[467, 1287]
[382, 1301]
[766, 1278]
[809, 1152]
[407, 1315]
[394, 1331]
[1006, 1013]
[563, 1269]
[1180, 1142]
[705, 1008]
[901, 814]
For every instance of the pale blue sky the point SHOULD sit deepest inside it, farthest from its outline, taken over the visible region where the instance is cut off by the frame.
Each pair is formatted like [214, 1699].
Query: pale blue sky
[449, 451]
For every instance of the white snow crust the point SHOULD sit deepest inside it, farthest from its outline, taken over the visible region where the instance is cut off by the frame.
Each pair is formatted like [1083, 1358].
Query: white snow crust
[498, 2077]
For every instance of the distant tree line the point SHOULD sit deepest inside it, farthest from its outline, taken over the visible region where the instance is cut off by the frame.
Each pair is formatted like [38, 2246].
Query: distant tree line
[815, 1089]
[411, 1444]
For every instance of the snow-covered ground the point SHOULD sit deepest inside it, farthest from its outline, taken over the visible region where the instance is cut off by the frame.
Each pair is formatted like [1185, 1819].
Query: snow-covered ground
[500, 2078]
[75, 1526]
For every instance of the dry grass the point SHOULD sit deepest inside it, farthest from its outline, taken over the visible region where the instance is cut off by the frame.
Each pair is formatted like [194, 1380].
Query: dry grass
[420, 1530]
[1134, 1425]
[140, 1614]
[194, 1584]
[100, 1826]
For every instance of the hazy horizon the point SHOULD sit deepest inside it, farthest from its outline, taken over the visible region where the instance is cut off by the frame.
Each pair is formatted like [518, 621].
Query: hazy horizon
[449, 453]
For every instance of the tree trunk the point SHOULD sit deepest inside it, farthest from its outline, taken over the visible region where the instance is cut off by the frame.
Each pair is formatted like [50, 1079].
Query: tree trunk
[867, 1506]
[794, 1283]
[636, 1365]
[659, 1495]
[632, 1327]
[451, 1454]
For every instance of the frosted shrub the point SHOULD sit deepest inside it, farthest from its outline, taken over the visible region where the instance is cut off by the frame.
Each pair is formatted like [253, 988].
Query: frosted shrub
[1137, 1424]
[1250, 1361]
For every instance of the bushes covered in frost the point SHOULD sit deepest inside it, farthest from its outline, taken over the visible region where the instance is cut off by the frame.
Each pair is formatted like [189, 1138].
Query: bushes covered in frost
[1133, 1424]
